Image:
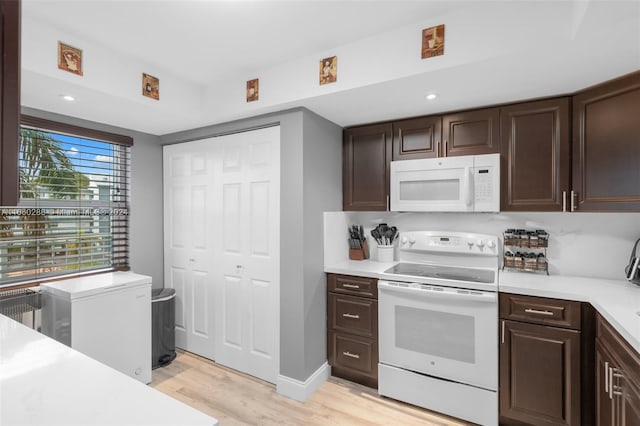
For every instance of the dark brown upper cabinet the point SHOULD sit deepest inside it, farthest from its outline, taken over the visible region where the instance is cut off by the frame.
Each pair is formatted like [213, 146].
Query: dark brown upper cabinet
[417, 138]
[365, 173]
[535, 155]
[471, 132]
[606, 146]
[9, 100]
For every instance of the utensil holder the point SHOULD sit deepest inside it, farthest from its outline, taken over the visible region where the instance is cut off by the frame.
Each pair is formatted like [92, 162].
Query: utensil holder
[385, 253]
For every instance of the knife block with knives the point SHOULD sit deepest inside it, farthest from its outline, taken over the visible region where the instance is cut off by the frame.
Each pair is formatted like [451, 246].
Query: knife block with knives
[358, 247]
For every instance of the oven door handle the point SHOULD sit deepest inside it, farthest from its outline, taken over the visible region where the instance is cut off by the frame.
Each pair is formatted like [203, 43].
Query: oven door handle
[446, 293]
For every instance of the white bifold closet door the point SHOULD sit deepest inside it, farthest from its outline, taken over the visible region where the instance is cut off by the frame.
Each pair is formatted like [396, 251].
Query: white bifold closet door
[236, 292]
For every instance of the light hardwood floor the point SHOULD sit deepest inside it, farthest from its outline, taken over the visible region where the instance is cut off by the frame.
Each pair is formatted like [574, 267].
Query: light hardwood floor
[238, 399]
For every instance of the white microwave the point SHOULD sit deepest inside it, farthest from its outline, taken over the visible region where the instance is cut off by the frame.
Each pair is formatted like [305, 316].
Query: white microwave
[469, 183]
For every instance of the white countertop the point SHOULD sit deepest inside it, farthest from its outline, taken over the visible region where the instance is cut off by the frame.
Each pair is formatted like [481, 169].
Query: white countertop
[618, 301]
[43, 382]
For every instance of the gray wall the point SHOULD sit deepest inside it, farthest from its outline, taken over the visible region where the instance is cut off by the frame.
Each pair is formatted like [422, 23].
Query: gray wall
[145, 244]
[311, 183]
[322, 158]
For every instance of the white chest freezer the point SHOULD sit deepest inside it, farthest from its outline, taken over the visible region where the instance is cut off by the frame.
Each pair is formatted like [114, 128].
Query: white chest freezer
[105, 316]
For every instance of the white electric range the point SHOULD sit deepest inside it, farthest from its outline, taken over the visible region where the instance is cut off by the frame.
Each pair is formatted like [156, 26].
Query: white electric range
[438, 316]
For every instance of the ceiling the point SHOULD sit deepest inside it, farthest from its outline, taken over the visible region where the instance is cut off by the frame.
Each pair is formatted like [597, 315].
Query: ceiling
[201, 49]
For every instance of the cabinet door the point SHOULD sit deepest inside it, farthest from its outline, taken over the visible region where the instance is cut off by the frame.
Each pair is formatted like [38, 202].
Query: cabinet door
[606, 150]
[9, 100]
[629, 403]
[417, 138]
[535, 148]
[365, 174]
[604, 402]
[471, 132]
[539, 374]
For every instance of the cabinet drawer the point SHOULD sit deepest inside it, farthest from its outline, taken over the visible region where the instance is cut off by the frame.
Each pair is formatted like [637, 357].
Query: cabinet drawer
[357, 354]
[347, 284]
[540, 310]
[353, 314]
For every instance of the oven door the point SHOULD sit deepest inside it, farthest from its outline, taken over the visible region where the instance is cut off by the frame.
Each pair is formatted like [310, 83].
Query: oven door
[440, 331]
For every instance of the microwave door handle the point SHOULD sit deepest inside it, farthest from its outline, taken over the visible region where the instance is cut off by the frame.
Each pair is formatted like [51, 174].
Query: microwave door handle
[468, 186]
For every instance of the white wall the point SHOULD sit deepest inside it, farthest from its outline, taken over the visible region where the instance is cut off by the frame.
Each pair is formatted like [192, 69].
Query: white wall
[580, 244]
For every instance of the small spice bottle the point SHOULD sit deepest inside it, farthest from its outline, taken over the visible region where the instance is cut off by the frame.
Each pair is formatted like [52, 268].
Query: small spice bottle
[543, 238]
[530, 261]
[509, 261]
[518, 260]
[508, 237]
[541, 262]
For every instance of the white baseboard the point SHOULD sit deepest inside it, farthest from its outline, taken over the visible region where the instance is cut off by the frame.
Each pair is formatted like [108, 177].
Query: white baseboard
[301, 391]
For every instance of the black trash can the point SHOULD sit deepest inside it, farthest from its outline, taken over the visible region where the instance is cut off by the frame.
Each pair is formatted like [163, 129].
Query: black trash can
[163, 318]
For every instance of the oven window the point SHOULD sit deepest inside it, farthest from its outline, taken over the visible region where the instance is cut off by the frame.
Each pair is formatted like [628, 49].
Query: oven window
[421, 190]
[437, 333]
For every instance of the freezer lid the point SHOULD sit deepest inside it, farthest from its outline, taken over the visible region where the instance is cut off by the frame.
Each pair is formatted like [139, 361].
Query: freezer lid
[75, 288]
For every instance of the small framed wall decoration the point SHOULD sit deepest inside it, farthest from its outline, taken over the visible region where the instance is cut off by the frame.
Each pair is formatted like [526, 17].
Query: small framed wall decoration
[150, 86]
[329, 70]
[433, 41]
[69, 58]
[253, 90]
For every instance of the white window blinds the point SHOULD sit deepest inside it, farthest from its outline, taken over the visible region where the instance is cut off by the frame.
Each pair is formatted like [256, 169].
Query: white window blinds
[73, 209]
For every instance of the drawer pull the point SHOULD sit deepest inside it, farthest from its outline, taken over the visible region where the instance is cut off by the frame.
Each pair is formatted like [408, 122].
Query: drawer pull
[354, 316]
[538, 312]
[351, 285]
[350, 355]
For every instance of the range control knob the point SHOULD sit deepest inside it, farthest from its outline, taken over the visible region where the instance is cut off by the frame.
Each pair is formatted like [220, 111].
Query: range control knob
[403, 241]
[480, 243]
[412, 240]
[491, 244]
[470, 243]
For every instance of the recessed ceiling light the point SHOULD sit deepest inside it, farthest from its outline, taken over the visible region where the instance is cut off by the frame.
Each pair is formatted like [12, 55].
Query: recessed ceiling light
[431, 96]
[68, 98]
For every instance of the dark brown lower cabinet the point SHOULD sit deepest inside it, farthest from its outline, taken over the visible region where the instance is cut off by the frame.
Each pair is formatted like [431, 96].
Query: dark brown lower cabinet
[539, 375]
[617, 379]
[352, 328]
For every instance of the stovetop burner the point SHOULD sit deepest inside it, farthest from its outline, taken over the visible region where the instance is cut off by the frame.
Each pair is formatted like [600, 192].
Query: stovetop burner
[485, 276]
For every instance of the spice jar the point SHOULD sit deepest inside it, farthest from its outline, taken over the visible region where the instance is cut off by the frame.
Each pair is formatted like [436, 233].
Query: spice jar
[518, 261]
[533, 239]
[541, 262]
[509, 261]
[508, 237]
[543, 238]
[530, 261]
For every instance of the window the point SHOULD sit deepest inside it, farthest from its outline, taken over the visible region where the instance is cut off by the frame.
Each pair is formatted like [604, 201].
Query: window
[73, 207]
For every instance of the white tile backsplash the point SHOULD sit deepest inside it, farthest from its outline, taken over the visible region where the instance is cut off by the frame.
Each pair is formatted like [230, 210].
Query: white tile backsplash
[580, 244]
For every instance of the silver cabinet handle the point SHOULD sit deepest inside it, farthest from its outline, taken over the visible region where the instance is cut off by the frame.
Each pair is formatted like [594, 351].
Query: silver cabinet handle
[437, 148]
[350, 355]
[351, 285]
[606, 376]
[610, 383]
[354, 316]
[564, 201]
[573, 200]
[502, 333]
[388, 206]
[538, 312]
[446, 145]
